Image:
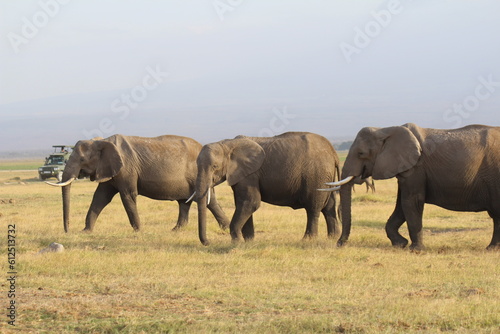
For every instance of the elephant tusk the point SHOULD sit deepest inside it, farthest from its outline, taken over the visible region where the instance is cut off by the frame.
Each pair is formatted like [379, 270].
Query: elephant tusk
[330, 189]
[209, 193]
[190, 198]
[61, 184]
[341, 182]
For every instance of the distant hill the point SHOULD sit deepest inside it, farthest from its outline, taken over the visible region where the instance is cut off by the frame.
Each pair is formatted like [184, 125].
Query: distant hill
[25, 155]
[42, 154]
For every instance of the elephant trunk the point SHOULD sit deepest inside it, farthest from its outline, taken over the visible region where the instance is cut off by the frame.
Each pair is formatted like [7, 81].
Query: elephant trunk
[203, 189]
[66, 206]
[345, 212]
[202, 220]
[70, 173]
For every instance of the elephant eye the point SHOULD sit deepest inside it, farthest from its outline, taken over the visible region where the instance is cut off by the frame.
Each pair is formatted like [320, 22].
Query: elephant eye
[362, 155]
[215, 166]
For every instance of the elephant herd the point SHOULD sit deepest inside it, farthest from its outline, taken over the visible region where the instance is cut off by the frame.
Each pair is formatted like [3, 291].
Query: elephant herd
[455, 169]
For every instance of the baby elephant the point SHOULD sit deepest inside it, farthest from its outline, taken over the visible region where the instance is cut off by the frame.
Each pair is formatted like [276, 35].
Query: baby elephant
[368, 181]
[283, 170]
[162, 168]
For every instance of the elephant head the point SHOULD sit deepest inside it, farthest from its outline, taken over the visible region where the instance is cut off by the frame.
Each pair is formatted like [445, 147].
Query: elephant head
[381, 153]
[98, 159]
[232, 160]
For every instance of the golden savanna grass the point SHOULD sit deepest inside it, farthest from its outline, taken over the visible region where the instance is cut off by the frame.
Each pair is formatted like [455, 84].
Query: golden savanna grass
[158, 281]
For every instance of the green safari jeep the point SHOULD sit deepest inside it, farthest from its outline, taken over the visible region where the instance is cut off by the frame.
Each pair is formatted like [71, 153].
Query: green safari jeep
[55, 163]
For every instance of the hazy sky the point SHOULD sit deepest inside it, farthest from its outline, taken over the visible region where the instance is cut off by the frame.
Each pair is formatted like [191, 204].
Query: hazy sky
[213, 69]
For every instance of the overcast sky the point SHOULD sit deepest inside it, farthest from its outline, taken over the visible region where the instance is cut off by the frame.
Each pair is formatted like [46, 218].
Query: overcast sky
[214, 69]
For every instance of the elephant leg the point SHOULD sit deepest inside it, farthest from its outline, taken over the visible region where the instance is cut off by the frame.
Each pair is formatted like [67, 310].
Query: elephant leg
[183, 217]
[332, 224]
[394, 223]
[247, 201]
[495, 240]
[413, 209]
[216, 210]
[102, 196]
[312, 223]
[129, 201]
[248, 229]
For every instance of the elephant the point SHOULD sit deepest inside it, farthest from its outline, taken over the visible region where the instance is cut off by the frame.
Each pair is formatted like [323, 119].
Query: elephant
[162, 168]
[456, 169]
[370, 184]
[283, 170]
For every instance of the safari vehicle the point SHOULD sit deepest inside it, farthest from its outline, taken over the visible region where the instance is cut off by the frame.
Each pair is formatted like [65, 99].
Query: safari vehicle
[55, 163]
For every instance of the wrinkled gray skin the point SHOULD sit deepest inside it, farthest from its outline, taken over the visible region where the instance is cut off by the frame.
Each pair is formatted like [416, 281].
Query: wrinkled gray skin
[455, 169]
[283, 170]
[370, 184]
[162, 168]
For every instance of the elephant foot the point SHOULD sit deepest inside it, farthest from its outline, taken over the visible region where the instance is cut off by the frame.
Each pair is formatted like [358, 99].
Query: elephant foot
[332, 235]
[417, 248]
[178, 227]
[399, 242]
[236, 240]
[341, 242]
[309, 236]
[87, 230]
[493, 247]
[248, 236]
[224, 227]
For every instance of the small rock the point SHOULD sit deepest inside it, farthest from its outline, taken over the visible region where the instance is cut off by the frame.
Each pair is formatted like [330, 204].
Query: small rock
[53, 247]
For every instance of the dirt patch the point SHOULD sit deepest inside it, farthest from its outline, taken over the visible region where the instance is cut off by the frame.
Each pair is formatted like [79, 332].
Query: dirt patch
[472, 292]
[423, 293]
[454, 230]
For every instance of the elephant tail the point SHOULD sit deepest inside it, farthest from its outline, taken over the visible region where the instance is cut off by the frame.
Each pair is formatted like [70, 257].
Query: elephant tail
[335, 179]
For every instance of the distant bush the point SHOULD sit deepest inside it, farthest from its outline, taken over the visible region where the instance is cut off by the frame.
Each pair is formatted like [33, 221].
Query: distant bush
[344, 146]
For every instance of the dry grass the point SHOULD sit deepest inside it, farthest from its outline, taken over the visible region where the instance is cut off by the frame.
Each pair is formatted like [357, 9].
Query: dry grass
[159, 281]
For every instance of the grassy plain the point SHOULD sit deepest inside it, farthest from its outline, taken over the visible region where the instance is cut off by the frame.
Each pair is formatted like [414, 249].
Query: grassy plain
[21, 164]
[159, 281]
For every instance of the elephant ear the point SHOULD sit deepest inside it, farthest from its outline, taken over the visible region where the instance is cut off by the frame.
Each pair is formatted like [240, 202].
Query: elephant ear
[400, 151]
[245, 158]
[110, 161]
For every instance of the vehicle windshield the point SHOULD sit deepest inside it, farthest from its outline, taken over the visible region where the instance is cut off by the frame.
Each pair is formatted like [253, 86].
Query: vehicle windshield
[56, 160]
